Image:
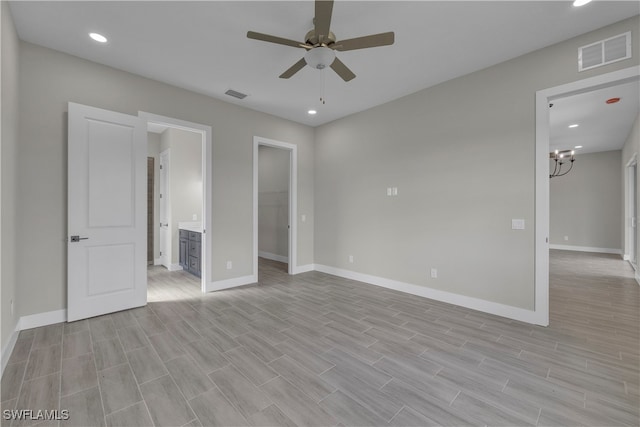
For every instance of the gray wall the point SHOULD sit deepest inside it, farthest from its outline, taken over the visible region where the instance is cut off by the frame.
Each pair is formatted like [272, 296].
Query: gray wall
[8, 171]
[462, 156]
[153, 150]
[273, 201]
[586, 204]
[631, 148]
[49, 79]
[185, 181]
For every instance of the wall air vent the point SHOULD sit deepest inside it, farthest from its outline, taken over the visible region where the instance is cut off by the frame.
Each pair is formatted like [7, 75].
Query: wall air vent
[604, 52]
[236, 94]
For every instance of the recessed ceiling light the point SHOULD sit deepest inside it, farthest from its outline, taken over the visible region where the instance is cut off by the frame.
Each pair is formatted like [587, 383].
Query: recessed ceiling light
[578, 146]
[98, 37]
[312, 112]
[573, 126]
[578, 3]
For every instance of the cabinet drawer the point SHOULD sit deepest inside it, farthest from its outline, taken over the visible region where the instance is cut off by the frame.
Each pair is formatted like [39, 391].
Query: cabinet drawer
[194, 249]
[184, 234]
[194, 264]
[193, 236]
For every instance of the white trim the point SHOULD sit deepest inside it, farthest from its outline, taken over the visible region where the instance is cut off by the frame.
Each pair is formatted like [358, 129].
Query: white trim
[42, 319]
[498, 309]
[30, 322]
[157, 261]
[293, 199]
[8, 349]
[304, 268]
[543, 97]
[164, 159]
[273, 257]
[175, 267]
[630, 193]
[586, 249]
[625, 257]
[207, 186]
[231, 283]
[637, 277]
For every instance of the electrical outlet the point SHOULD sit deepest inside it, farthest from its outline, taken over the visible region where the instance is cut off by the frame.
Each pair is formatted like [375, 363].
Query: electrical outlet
[351, 259]
[389, 191]
[303, 218]
[394, 191]
[434, 273]
[194, 217]
[229, 265]
[566, 238]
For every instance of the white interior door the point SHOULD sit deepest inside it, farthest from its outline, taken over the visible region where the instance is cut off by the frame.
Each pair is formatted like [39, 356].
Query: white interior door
[165, 250]
[106, 257]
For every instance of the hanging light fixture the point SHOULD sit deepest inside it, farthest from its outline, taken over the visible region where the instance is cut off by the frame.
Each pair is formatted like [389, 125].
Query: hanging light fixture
[561, 157]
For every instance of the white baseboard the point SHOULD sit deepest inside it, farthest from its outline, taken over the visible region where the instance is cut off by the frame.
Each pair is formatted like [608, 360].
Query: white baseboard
[175, 267]
[8, 349]
[230, 283]
[273, 257]
[157, 261]
[304, 268]
[42, 319]
[637, 277]
[586, 249]
[498, 309]
[29, 322]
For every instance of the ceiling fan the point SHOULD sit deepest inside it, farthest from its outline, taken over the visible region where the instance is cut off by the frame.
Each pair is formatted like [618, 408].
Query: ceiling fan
[321, 44]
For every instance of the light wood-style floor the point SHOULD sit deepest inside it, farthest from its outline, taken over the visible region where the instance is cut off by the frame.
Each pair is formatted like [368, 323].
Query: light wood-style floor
[315, 349]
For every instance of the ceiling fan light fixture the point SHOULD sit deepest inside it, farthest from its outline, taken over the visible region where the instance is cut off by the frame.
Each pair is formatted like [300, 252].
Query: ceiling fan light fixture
[320, 57]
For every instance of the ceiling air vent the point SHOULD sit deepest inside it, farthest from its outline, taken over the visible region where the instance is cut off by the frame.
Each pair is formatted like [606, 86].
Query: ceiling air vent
[236, 94]
[604, 52]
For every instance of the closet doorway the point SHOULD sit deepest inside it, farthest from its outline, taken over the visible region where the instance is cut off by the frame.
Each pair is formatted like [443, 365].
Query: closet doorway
[274, 202]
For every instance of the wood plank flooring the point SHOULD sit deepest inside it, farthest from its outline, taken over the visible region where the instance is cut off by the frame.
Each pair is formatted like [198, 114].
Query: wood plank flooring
[315, 349]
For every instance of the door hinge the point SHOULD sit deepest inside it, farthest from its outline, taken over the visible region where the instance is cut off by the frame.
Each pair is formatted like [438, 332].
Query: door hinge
[160, 166]
[160, 253]
[161, 196]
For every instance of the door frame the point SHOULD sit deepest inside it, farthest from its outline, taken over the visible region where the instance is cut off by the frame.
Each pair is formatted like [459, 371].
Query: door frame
[207, 185]
[166, 250]
[631, 210]
[293, 200]
[541, 242]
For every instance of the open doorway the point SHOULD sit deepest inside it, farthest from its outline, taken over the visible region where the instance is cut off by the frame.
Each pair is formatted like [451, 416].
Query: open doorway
[274, 204]
[178, 205]
[542, 197]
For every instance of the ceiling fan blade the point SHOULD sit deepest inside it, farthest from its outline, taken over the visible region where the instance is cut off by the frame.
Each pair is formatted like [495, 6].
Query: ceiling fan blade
[322, 21]
[274, 39]
[374, 40]
[293, 69]
[342, 70]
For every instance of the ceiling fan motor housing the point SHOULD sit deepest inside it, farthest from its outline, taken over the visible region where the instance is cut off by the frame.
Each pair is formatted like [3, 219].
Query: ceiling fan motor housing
[312, 39]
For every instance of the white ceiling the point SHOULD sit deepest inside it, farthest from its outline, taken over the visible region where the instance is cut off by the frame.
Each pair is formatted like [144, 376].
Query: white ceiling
[202, 45]
[601, 126]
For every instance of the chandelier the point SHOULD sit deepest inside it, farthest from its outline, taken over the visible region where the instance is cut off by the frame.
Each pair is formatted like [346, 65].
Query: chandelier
[560, 158]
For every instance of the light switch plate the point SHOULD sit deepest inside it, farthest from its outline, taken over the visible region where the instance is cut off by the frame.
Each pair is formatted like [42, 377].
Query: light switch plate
[517, 224]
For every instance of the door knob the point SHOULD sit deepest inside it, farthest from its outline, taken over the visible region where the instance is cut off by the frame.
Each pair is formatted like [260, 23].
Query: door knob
[77, 238]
